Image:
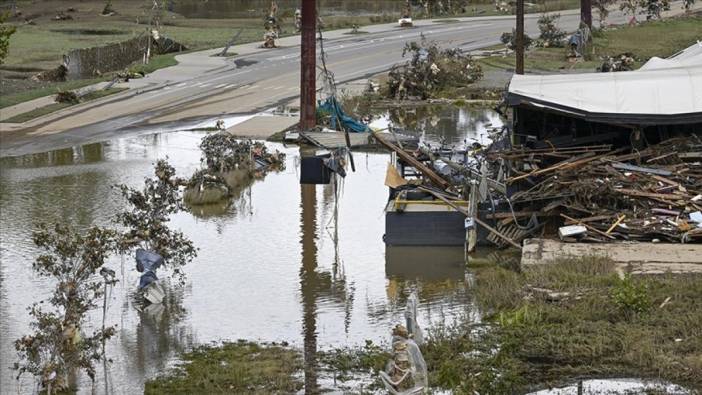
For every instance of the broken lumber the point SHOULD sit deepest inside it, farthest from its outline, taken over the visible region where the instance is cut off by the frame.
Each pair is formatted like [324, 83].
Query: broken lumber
[421, 167]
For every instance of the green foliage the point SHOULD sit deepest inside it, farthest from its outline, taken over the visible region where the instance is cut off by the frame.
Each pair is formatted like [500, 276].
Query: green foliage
[344, 362]
[510, 40]
[431, 69]
[653, 8]
[233, 368]
[631, 296]
[550, 35]
[58, 347]
[147, 219]
[5, 32]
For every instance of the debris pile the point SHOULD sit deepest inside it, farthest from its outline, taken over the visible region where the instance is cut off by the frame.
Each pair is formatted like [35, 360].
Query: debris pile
[430, 70]
[510, 40]
[603, 194]
[622, 62]
[70, 97]
[222, 154]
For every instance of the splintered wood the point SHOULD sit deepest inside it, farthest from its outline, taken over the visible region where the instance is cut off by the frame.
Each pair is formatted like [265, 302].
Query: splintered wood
[654, 194]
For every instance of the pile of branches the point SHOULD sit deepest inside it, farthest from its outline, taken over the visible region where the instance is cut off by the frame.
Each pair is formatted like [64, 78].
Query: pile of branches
[550, 35]
[647, 195]
[622, 62]
[431, 69]
[510, 40]
[222, 152]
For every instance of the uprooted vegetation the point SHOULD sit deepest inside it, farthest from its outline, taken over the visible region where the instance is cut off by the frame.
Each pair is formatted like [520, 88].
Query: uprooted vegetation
[228, 163]
[146, 220]
[431, 70]
[59, 346]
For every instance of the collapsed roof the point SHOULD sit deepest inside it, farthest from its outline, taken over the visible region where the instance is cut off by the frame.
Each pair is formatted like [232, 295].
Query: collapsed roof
[663, 92]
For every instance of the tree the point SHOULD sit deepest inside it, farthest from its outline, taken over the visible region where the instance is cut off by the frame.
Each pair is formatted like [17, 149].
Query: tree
[603, 10]
[58, 347]
[653, 8]
[5, 32]
[147, 220]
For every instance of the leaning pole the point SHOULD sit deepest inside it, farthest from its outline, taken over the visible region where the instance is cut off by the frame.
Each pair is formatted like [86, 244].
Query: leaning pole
[308, 118]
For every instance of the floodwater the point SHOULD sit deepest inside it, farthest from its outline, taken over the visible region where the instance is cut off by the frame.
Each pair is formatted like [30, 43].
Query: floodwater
[268, 268]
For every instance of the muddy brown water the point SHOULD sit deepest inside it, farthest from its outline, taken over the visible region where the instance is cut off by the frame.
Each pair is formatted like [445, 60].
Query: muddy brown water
[268, 268]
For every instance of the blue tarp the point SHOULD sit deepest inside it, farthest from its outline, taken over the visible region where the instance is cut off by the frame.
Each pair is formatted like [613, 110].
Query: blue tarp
[332, 107]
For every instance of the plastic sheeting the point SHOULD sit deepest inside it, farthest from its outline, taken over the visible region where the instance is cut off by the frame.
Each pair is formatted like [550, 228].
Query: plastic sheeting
[339, 119]
[690, 56]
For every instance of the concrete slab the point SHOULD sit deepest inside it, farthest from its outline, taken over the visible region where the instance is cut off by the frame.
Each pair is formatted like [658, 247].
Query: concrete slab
[263, 126]
[648, 258]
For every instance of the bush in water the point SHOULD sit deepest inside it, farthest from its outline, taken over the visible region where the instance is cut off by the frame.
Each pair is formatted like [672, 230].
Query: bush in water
[147, 219]
[57, 348]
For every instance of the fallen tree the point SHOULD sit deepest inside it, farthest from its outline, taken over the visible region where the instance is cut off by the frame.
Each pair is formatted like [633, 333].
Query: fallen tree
[430, 70]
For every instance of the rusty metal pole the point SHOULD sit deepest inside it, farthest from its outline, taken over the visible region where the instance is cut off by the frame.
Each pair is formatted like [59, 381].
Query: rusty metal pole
[519, 51]
[586, 12]
[308, 97]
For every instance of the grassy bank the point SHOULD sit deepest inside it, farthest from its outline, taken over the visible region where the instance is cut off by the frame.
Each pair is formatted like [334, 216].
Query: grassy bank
[240, 367]
[41, 111]
[571, 320]
[661, 38]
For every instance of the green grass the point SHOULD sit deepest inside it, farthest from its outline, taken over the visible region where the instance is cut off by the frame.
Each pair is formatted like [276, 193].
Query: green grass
[604, 327]
[11, 99]
[661, 38]
[240, 367]
[41, 111]
[155, 63]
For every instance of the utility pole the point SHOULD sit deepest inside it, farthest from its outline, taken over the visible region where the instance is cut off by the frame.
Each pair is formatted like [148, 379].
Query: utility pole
[308, 88]
[519, 51]
[586, 13]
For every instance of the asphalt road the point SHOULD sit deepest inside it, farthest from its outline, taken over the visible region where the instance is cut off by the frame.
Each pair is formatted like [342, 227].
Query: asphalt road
[202, 86]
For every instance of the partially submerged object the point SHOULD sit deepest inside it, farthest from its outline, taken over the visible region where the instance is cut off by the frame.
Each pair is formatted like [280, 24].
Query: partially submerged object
[406, 372]
[146, 263]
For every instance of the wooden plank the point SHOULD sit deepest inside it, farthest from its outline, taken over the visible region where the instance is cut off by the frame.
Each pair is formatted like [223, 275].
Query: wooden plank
[429, 173]
[634, 257]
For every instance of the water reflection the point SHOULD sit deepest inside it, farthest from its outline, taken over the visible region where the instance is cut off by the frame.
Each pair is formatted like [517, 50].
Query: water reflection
[333, 284]
[454, 127]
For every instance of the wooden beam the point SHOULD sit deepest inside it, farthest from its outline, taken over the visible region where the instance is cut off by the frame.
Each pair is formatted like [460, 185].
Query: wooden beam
[425, 170]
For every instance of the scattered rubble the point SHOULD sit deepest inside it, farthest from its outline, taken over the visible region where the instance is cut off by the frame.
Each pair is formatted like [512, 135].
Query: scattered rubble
[622, 62]
[431, 69]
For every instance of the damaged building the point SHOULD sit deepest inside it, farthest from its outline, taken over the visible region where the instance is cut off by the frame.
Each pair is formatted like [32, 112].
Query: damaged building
[662, 99]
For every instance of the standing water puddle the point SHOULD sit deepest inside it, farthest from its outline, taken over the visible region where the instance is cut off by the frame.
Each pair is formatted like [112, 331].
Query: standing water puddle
[267, 269]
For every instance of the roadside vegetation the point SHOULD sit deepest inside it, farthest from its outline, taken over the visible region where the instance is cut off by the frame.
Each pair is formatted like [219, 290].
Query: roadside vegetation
[662, 38]
[41, 111]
